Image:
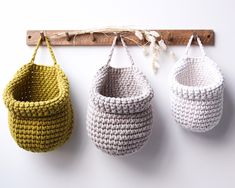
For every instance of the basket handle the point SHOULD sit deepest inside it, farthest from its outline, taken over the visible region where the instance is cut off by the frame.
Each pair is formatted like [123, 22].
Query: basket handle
[124, 45]
[48, 46]
[199, 43]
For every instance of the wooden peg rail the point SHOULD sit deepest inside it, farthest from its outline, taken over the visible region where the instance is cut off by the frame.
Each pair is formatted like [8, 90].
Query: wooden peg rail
[105, 38]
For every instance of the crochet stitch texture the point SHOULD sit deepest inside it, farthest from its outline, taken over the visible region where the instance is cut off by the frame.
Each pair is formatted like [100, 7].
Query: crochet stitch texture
[119, 118]
[197, 92]
[39, 108]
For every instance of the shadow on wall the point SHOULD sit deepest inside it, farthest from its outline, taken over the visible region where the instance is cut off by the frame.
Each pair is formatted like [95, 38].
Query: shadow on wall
[153, 155]
[225, 126]
[147, 158]
[70, 153]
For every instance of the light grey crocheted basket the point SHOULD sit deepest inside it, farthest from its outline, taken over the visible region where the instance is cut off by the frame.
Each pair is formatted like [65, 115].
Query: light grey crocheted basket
[119, 118]
[197, 92]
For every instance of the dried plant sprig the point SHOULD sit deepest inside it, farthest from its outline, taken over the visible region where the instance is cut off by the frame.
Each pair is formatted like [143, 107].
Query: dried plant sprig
[154, 33]
[155, 66]
[151, 37]
[145, 49]
[172, 55]
[162, 45]
[139, 35]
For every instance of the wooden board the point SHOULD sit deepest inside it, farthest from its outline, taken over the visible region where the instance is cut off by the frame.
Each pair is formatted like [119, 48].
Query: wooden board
[105, 38]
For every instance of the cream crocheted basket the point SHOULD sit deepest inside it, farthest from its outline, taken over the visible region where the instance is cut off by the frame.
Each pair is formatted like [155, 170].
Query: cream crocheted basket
[197, 92]
[119, 118]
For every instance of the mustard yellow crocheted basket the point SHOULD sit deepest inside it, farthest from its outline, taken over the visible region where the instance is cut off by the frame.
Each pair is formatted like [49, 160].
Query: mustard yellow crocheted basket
[39, 108]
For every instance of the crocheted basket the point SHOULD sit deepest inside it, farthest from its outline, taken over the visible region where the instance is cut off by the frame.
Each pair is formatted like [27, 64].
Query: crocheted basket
[197, 92]
[119, 118]
[39, 108]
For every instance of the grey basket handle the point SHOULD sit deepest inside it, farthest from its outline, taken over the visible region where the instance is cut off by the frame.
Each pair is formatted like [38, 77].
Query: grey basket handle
[124, 45]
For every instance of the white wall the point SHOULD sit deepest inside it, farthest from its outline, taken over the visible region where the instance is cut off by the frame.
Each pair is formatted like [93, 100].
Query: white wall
[172, 157]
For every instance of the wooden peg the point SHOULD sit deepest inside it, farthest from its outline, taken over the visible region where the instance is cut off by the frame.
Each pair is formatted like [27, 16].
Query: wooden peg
[42, 36]
[195, 36]
[68, 37]
[170, 37]
[118, 38]
[92, 37]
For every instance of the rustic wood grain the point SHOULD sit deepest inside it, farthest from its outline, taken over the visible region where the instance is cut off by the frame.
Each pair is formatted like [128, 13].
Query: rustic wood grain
[68, 38]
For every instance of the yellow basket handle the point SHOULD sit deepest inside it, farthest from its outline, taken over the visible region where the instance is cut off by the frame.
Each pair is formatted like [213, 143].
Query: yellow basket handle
[48, 46]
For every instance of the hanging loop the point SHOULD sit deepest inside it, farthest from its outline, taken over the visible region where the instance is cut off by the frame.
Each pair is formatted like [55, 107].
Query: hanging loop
[115, 40]
[48, 46]
[196, 37]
